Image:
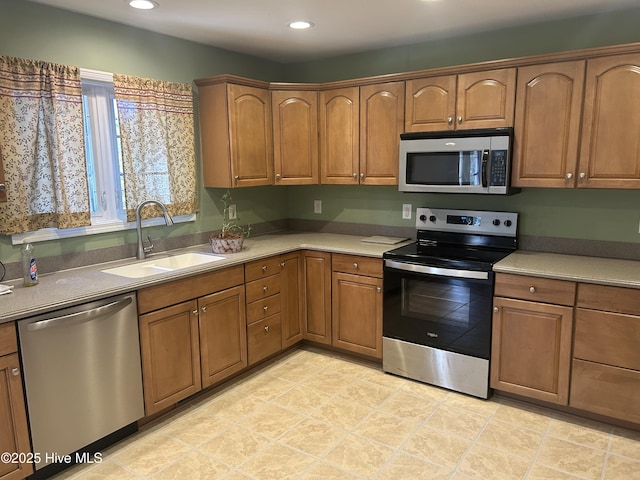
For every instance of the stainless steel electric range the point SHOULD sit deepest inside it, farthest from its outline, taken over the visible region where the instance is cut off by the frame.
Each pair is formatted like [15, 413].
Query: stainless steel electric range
[438, 298]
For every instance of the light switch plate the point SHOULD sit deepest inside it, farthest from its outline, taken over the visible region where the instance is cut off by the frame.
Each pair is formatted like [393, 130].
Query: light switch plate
[406, 211]
[232, 212]
[317, 206]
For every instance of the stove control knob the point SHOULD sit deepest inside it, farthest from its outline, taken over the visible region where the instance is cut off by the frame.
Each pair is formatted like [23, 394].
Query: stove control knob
[507, 223]
[496, 222]
[432, 218]
[423, 218]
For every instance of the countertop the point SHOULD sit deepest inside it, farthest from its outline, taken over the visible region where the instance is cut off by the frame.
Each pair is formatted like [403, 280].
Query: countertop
[79, 285]
[605, 271]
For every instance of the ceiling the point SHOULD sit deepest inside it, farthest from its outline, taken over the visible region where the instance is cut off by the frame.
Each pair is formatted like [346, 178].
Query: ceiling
[259, 27]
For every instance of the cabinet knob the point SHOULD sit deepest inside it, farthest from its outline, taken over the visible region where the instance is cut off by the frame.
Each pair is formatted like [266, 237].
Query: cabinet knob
[583, 175]
[532, 289]
[282, 264]
[362, 175]
[264, 268]
[569, 176]
[265, 308]
[195, 312]
[460, 119]
[265, 288]
[237, 177]
[204, 309]
[450, 120]
[355, 265]
[378, 289]
[2, 187]
[496, 309]
[266, 328]
[354, 175]
[278, 176]
[15, 372]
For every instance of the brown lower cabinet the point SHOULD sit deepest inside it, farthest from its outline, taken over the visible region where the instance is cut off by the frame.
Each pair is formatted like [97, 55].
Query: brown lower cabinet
[14, 435]
[194, 343]
[317, 288]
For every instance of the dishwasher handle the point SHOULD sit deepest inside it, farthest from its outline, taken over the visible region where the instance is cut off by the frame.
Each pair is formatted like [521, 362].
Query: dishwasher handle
[82, 316]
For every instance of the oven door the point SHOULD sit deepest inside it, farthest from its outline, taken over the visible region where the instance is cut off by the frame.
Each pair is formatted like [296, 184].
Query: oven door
[438, 307]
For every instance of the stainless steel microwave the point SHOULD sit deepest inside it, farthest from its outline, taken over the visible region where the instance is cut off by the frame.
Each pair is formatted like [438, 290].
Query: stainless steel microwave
[471, 161]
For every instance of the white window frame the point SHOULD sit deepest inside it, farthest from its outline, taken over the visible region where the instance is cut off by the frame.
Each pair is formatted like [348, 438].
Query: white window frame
[100, 223]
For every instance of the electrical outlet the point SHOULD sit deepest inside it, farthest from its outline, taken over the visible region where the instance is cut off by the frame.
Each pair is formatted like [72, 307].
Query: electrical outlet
[232, 212]
[317, 206]
[406, 211]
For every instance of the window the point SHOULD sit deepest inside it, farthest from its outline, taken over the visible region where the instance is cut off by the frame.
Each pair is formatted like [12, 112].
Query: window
[104, 165]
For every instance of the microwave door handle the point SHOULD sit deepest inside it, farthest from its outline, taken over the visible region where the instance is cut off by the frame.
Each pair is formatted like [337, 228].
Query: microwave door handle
[485, 161]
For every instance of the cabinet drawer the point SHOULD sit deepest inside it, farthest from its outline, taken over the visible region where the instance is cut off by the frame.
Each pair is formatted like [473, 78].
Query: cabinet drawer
[610, 299]
[265, 287]
[263, 308]
[605, 337]
[606, 390]
[8, 342]
[559, 292]
[357, 265]
[171, 293]
[261, 268]
[264, 338]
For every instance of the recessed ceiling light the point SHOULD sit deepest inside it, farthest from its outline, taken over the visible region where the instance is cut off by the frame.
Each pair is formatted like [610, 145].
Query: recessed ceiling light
[301, 25]
[142, 4]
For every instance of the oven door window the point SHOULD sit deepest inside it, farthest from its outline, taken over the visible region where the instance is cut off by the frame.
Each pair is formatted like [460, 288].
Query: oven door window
[445, 168]
[442, 312]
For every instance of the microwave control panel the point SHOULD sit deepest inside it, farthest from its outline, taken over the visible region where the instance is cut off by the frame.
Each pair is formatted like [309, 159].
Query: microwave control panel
[498, 168]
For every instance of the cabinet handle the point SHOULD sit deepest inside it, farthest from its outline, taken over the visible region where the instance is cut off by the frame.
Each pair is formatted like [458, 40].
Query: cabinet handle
[450, 120]
[496, 309]
[532, 289]
[15, 372]
[266, 328]
[460, 119]
[355, 265]
[569, 176]
[583, 175]
[264, 268]
[204, 309]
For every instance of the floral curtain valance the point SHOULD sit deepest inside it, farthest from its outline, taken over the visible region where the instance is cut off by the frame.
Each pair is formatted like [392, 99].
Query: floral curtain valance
[42, 144]
[157, 139]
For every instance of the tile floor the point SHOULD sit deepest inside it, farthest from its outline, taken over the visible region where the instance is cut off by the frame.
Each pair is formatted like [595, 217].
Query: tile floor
[315, 415]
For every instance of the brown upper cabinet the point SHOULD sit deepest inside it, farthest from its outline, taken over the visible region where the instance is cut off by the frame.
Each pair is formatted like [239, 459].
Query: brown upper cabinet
[235, 127]
[547, 124]
[455, 102]
[295, 137]
[360, 132]
[609, 153]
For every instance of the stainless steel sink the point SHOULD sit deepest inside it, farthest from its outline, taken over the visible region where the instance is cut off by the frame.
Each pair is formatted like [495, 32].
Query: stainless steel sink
[163, 265]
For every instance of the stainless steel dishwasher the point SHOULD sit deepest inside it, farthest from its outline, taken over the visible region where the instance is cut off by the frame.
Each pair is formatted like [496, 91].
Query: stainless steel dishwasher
[82, 375]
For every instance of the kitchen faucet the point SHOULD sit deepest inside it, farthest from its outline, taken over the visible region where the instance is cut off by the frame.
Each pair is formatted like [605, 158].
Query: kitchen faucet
[142, 250]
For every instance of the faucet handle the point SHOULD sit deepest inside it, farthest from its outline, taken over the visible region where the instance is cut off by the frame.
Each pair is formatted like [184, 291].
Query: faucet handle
[148, 248]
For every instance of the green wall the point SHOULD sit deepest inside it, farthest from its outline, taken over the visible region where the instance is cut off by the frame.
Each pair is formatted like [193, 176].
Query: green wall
[35, 31]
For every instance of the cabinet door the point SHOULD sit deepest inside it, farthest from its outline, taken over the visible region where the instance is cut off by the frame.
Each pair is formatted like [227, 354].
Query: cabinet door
[357, 314]
[609, 155]
[339, 136]
[223, 334]
[317, 286]
[381, 123]
[291, 298]
[14, 435]
[295, 137]
[250, 141]
[264, 338]
[486, 99]
[170, 355]
[547, 124]
[531, 349]
[430, 104]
